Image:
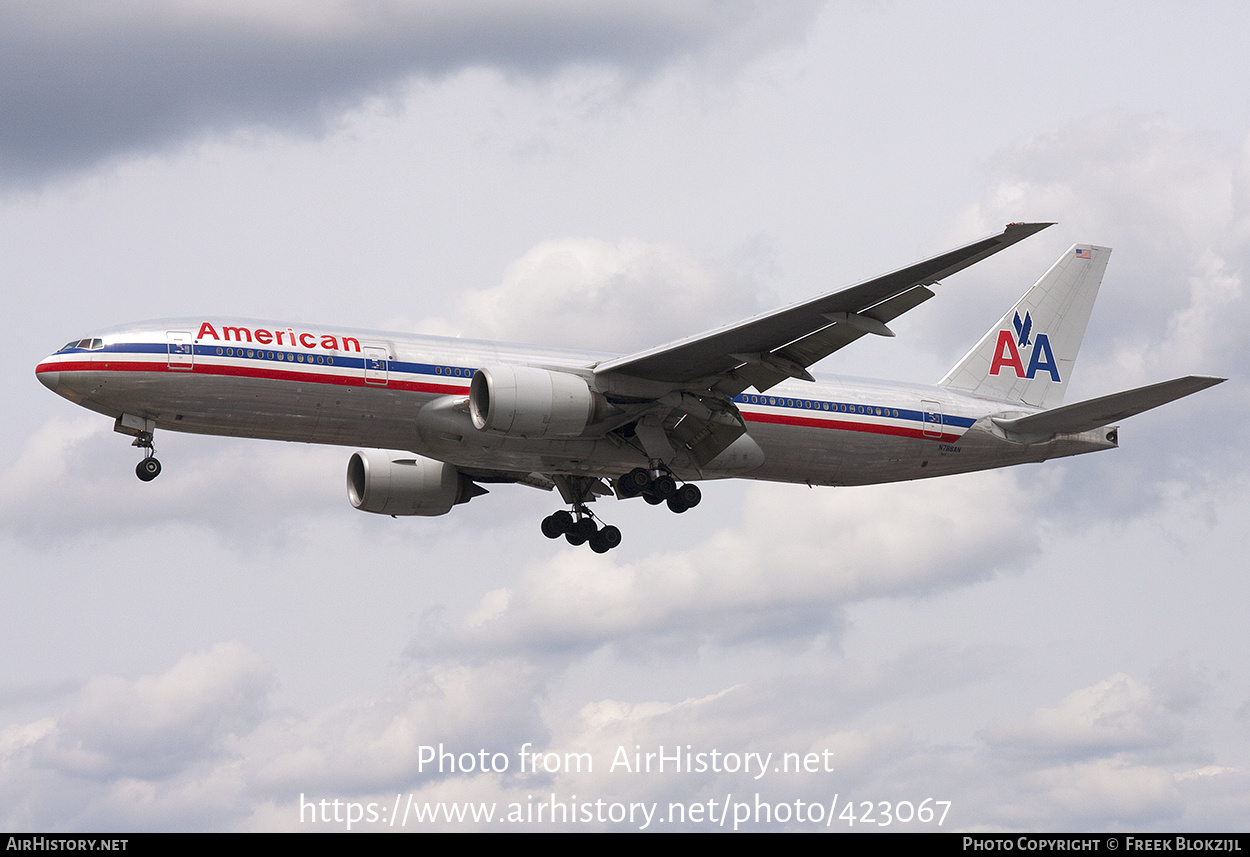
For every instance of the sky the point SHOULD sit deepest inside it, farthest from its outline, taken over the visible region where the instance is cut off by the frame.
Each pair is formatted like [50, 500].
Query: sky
[1053, 647]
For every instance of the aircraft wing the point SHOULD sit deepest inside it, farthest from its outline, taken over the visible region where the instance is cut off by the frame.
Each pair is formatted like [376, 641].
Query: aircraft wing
[1095, 413]
[769, 348]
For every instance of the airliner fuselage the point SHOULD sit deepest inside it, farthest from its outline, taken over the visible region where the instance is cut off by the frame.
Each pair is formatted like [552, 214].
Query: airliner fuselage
[389, 390]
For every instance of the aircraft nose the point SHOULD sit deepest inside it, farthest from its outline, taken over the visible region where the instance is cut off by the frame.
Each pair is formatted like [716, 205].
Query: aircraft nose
[51, 380]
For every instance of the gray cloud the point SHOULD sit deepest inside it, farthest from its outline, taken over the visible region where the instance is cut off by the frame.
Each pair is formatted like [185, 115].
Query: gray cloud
[82, 81]
[256, 496]
[1117, 714]
[1116, 753]
[1171, 203]
[155, 725]
[190, 748]
[785, 571]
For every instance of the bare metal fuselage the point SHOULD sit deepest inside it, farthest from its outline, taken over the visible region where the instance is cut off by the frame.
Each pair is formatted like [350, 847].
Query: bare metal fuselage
[392, 391]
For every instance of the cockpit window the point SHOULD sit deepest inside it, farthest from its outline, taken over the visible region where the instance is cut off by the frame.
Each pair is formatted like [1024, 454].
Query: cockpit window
[94, 344]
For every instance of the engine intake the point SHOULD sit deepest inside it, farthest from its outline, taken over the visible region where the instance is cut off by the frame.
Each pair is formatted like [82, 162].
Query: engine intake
[522, 401]
[394, 482]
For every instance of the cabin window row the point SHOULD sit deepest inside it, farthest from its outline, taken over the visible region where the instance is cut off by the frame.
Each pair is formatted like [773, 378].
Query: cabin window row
[294, 357]
[811, 405]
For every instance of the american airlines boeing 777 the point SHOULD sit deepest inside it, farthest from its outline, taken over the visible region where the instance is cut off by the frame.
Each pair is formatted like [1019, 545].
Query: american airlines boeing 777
[440, 418]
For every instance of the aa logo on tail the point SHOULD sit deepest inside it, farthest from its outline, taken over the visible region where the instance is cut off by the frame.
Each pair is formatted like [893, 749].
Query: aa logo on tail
[1007, 352]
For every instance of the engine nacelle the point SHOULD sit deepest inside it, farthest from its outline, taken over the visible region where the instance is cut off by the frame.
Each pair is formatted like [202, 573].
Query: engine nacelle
[393, 482]
[522, 401]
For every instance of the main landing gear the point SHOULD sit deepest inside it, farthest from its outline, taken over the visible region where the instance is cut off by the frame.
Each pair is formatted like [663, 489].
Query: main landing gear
[579, 526]
[581, 529]
[661, 488]
[149, 468]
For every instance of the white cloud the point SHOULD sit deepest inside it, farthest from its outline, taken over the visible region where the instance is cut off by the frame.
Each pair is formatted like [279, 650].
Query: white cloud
[796, 558]
[1166, 200]
[1111, 792]
[1115, 715]
[380, 743]
[192, 748]
[258, 490]
[155, 725]
[608, 296]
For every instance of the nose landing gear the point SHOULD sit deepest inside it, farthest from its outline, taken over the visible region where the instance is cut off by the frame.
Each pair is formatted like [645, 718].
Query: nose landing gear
[150, 467]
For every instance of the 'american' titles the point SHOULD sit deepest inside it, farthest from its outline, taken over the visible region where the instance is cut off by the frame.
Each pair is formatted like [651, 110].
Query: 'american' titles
[286, 337]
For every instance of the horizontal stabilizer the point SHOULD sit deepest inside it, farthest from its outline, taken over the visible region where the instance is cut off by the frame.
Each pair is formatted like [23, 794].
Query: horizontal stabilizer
[1094, 413]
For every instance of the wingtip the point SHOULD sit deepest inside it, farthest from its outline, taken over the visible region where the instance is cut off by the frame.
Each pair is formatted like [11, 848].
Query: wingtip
[1018, 231]
[1198, 383]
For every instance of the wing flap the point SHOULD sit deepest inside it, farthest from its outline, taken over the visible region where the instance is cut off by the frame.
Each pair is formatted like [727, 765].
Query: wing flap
[1105, 410]
[819, 345]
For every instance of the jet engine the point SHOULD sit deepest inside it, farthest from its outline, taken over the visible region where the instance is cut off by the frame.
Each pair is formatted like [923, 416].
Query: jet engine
[522, 401]
[394, 482]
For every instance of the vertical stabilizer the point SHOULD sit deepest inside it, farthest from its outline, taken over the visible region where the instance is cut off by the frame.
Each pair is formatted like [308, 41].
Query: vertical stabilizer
[1028, 356]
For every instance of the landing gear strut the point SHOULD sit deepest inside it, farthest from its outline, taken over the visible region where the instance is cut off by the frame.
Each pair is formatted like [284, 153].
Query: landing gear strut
[149, 468]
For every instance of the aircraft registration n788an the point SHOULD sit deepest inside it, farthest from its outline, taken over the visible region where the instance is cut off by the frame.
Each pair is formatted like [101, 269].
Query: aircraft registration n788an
[439, 418]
